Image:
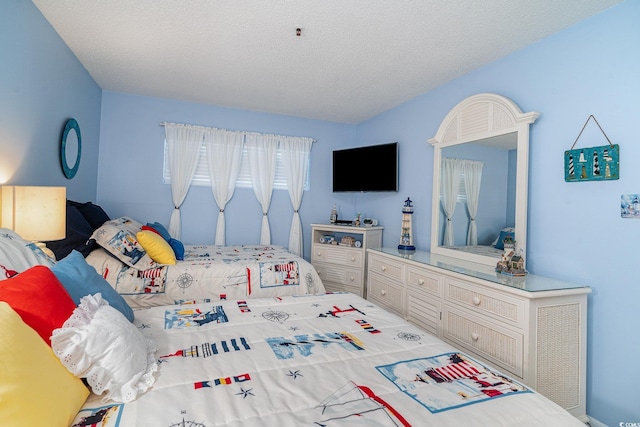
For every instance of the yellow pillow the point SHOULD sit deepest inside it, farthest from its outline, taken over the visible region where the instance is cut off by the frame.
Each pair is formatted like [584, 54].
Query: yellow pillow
[158, 249]
[35, 388]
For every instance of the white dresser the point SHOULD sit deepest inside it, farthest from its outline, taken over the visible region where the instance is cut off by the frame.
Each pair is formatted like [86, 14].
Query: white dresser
[342, 267]
[532, 328]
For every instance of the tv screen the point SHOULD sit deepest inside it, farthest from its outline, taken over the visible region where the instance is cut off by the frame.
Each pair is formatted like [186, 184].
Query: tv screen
[369, 168]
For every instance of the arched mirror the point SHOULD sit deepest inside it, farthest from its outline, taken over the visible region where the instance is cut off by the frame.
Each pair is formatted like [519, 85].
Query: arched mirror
[480, 179]
[70, 148]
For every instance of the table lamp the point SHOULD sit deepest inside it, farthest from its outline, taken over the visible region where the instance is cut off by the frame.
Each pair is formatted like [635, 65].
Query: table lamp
[34, 213]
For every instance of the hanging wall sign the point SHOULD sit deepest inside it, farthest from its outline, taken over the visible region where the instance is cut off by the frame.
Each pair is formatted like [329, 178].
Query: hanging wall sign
[594, 163]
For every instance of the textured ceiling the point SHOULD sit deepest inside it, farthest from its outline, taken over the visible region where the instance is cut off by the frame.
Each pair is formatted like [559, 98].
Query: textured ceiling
[353, 59]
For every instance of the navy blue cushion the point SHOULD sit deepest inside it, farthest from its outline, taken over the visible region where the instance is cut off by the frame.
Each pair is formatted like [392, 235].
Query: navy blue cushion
[78, 233]
[94, 214]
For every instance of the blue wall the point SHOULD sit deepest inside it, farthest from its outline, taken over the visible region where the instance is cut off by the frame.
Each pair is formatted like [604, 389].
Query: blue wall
[575, 230]
[131, 158]
[42, 84]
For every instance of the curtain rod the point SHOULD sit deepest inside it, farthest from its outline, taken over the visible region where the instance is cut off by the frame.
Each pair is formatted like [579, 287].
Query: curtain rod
[239, 131]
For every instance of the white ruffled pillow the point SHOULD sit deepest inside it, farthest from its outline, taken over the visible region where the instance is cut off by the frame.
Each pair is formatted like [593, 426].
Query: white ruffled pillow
[98, 343]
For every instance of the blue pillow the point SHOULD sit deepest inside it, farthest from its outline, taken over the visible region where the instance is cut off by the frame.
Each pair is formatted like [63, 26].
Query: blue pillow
[81, 279]
[178, 248]
[160, 229]
[503, 235]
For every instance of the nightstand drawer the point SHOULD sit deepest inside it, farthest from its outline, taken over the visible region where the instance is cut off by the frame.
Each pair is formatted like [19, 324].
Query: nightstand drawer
[498, 345]
[338, 255]
[486, 301]
[386, 293]
[390, 269]
[338, 274]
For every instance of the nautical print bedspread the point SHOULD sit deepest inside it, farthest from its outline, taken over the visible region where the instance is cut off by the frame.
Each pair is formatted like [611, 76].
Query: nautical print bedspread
[211, 273]
[329, 360]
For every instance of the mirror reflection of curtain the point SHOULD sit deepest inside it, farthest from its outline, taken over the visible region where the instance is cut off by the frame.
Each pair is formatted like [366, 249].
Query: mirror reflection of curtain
[296, 152]
[451, 171]
[224, 154]
[183, 150]
[261, 151]
[472, 180]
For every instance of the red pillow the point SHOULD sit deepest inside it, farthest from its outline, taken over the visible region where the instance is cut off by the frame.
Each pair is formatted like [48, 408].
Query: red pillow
[149, 228]
[39, 298]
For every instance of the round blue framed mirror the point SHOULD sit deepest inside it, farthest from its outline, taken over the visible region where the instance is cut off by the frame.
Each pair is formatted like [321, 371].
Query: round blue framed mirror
[70, 148]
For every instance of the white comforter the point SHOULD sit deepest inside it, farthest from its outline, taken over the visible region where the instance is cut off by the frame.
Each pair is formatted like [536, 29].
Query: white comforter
[211, 272]
[316, 360]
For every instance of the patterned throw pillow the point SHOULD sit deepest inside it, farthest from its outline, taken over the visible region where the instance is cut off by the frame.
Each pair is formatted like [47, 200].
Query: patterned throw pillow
[118, 237]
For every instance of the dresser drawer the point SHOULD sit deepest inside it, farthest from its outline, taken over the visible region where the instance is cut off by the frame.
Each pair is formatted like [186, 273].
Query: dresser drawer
[338, 255]
[498, 345]
[339, 287]
[422, 280]
[387, 268]
[386, 293]
[486, 301]
[339, 274]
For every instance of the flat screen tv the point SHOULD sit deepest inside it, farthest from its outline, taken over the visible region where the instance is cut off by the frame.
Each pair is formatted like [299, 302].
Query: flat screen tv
[369, 168]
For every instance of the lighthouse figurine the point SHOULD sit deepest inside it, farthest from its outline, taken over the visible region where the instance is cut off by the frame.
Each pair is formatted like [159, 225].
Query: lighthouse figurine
[406, 237]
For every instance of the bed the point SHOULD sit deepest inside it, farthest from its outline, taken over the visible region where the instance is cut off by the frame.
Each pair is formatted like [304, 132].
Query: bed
[210, 272]
[80, 356]
[149, 267]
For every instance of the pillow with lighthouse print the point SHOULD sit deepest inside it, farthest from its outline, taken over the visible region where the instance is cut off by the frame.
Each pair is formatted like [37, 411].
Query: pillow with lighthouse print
[118, 237]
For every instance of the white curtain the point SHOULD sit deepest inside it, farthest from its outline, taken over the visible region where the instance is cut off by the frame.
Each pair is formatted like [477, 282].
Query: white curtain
[224, 154]
[183, 145]
[296, 152]
[261, 150]
[450, 173]
[472, 180]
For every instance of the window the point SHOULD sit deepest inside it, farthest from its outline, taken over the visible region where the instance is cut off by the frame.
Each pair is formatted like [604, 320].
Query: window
[462, 191]
[201, 176]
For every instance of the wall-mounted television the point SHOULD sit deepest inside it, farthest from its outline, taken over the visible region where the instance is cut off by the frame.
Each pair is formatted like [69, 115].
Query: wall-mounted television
[368, 168]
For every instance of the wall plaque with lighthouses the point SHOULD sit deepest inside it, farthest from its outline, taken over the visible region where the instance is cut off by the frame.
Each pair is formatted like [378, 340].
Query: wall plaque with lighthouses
[593, 163]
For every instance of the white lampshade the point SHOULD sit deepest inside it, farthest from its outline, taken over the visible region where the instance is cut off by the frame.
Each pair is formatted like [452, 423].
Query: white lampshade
[34, 213]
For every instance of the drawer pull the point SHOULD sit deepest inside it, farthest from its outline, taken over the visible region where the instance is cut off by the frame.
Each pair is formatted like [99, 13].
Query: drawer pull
[383, 292]
[353, 259]
[383, 268]
[351, 278]
[475, 336]
[420, 282]
[476, 301]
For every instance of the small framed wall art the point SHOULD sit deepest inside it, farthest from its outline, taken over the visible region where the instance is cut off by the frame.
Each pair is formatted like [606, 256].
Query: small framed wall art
[593, 163]
[630, 206]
